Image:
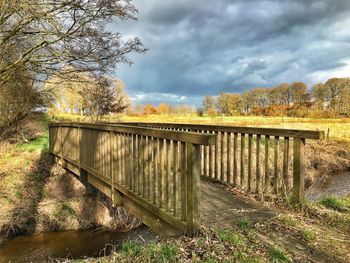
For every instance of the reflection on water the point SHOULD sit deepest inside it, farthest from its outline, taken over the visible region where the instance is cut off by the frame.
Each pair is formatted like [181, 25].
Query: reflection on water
[67, 244]
[337, 185]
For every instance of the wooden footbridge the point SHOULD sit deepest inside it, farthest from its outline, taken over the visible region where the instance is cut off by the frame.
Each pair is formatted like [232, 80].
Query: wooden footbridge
[155, 170]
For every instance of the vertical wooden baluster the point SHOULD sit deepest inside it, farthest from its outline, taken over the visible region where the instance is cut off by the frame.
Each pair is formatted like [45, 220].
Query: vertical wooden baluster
[206, 159]
[155, 169]
[298, 170]
[175, 180]
[250, 163]
[211, 159]
[258, 173]
[235, 161]
[229, 158]
[111, 163]
[144, 164]
[129, 157]
[285, 184]
[202, 155]
[149, 166]
[169, 174]
[242, 159]
[161, 173]
[275, 177]
[134, 162]
[217, 158]
[183, 182]
[140, 164]
[267, 179]
[222, 155]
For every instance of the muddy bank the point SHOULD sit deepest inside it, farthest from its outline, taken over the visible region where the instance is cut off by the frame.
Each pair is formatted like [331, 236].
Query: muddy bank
[54, 200]
[324, 159]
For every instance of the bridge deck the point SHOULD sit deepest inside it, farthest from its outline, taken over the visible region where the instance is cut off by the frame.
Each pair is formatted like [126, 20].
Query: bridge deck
[221, 208]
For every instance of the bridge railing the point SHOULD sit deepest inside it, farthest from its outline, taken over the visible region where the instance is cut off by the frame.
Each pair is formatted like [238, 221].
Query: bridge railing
[157, 169]
[261, 160]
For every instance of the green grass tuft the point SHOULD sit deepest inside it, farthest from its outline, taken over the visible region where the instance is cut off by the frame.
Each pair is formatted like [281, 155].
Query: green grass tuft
[308, 234]
[277, 254]
[162, 252]
[226, 235]
[130, 247]
[38, 144]
[335, 203]
[245, 223]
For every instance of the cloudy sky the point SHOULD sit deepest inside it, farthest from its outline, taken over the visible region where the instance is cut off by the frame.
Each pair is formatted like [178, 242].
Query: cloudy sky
[204, 47]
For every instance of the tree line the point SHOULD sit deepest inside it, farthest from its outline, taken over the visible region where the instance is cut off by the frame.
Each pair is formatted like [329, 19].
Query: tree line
[329, 99]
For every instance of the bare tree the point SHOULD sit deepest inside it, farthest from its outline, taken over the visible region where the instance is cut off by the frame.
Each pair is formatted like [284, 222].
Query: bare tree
[50, 35]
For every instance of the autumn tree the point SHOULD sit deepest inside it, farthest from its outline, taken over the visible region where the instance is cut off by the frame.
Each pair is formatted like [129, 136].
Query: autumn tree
[150, 109]
[228, 103]
[208, 103]
[164, 108]
[298, 91]
[320, 95]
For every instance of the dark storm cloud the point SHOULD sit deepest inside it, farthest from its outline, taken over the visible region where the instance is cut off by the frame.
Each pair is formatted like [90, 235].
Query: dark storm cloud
[207, 47]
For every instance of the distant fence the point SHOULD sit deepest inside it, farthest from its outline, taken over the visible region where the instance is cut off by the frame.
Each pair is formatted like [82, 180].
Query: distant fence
[261, 160]
[159, 170]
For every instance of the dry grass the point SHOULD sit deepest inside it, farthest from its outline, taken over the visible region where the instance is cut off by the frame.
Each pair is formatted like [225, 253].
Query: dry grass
[338, 128]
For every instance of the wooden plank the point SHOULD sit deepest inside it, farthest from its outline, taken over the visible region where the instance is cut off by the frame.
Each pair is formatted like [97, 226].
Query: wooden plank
[250, 163]
[161, 173]
[183, 181]
[286, 164]
[193, 188]
[217, 157]
[175, 177]
[211, 160]
[258, 172]
[134, 163]
[222, 157]
[235, 159]
[242, 159]
[267, 179]
[298, 170]
[292, 133]
[191, 137]
[155, 169]
[276, 172]
[168, 175]
[229, 158]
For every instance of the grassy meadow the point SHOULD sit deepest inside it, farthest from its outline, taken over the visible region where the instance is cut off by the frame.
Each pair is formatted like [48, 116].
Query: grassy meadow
[339, 129]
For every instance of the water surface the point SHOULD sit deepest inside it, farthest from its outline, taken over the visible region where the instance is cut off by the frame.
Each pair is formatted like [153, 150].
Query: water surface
[68, 244]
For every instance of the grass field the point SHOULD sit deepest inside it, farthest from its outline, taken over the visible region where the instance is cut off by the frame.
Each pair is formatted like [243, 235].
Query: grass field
[338, 128]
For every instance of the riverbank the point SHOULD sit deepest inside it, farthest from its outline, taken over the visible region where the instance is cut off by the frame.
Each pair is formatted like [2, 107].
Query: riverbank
[36, 195]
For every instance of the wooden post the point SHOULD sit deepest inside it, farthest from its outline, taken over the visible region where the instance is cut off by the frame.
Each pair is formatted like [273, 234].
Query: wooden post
[276, 175]
[217, 158]
[183, 181]
[267, 179]
[193, 188]
[298, 169]
[250, 161]
[285, 184]
[235, 162]
[257, 183]
[242, 158]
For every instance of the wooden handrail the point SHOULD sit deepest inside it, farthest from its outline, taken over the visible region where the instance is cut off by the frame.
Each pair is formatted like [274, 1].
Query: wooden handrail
[291, 133]
[189, 137]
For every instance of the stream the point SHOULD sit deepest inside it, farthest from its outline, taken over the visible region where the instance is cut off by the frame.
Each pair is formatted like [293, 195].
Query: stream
[70, 244]
[337, 185]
